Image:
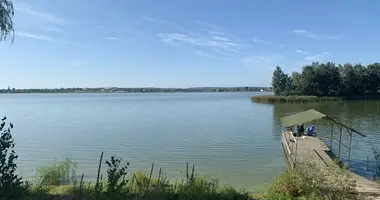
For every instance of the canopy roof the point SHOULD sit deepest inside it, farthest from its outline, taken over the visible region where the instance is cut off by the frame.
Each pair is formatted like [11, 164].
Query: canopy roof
[309, 116]
[302, 117]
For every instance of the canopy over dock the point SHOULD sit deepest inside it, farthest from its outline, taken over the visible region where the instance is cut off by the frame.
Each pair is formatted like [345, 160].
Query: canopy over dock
[299, 149]
[313, 115]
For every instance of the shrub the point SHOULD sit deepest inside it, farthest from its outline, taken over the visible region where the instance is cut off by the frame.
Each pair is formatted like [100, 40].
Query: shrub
[57, 173]
[312, 180]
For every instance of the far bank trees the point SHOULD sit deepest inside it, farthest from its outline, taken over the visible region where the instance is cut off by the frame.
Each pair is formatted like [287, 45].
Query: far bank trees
[329, 79]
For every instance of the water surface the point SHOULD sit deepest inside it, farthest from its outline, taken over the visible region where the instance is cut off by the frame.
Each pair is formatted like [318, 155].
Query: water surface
[222, 134]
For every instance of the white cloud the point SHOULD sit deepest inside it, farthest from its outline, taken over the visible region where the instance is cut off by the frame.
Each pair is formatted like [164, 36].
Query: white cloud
[52, 29]
[315, 35]
[50, 17]
[265, 61]
[80, 62]
[159, 21]
[204, 54]
[41, 37]
[153, 19]
[212, 42]
[301, 51]
[299, 31]
[34, 36]
[41, 20]
[221, 38]
[209, 25]
[256, 40]
[317, 57]
[111, 38]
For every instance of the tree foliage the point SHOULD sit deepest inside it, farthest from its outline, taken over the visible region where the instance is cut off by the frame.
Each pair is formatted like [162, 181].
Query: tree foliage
[280, 81]
[10, 182]
[6, 20]
[329, 79]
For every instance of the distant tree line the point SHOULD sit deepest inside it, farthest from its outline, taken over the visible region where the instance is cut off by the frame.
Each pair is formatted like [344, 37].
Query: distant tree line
[136, 90]
[329, 79]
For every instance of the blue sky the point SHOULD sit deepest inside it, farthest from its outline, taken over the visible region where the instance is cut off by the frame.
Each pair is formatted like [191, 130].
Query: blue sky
[181, 43]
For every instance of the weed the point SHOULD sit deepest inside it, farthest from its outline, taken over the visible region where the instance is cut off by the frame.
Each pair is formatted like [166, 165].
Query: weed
[57, 173]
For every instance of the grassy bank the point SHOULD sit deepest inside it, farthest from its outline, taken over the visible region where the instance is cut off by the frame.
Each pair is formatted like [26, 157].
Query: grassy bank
[291, 99]
[58, 180]
[311, 181]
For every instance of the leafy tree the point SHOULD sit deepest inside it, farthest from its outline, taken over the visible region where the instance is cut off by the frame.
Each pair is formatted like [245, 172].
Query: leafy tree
[279, 81]
[350, 79]
[297, 82]
[329, 79]
[308, 80]
[6, 22]
[373, 77]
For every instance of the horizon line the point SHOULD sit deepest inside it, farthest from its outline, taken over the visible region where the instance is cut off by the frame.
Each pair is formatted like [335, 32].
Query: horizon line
[135, 87]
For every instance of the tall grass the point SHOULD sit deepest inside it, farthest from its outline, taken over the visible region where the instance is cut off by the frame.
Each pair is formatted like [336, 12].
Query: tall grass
[291, 99]
[310, 180]
[119, 183]
[57, 173]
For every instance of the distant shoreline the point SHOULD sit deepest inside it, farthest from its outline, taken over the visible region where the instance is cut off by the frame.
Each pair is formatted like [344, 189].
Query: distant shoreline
[139, 90]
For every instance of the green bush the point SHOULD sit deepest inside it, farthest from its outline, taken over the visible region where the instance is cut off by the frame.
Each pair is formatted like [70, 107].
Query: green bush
[312, 180]
[57, 173]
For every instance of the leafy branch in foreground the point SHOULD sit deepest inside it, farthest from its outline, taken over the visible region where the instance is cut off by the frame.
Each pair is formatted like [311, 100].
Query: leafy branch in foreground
[6, 22]
[10, 182]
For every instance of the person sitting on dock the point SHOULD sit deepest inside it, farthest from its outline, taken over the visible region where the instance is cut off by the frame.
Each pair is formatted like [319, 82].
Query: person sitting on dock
[311, 131]
[301, 130]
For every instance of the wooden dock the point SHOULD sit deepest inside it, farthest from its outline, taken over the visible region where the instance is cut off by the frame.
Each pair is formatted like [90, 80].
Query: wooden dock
[312, 147]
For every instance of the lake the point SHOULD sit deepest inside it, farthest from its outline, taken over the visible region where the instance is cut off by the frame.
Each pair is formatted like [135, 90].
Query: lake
[224, 135]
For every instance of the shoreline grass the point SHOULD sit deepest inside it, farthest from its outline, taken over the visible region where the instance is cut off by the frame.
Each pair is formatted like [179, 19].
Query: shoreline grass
[292, 99]
[119, 183]
[308, 182]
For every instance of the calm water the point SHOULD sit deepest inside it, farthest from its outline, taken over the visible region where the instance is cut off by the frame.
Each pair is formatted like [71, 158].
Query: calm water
[222, 134]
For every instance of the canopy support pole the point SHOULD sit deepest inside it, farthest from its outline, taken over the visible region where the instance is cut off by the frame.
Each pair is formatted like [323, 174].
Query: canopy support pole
[349, 149]
[340, 139]
[295, 155]
[331, 137]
